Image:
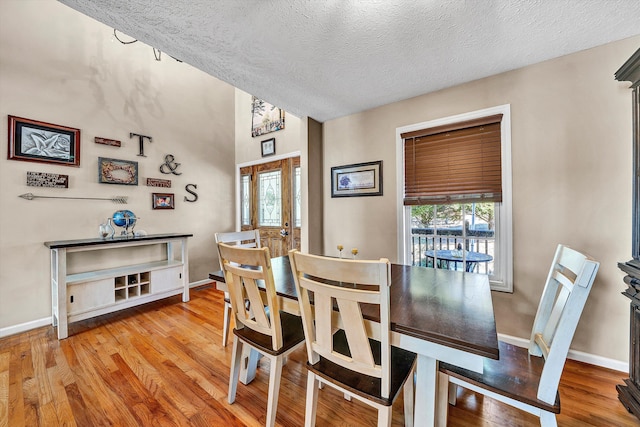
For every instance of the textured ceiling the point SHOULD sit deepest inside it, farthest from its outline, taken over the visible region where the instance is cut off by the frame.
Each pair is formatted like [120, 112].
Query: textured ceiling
[327, 59]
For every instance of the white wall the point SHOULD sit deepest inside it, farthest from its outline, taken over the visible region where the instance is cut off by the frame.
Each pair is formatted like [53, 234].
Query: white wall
[571, 159]
[59, 66]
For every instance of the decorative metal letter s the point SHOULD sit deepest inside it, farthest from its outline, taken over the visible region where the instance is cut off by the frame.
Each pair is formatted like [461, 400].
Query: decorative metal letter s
[190, 191]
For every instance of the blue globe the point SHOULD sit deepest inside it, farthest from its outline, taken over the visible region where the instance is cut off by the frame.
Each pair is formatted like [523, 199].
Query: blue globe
[124, 218]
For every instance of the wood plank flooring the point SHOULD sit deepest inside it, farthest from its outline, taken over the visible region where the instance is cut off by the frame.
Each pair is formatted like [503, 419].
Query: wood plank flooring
[162, 364]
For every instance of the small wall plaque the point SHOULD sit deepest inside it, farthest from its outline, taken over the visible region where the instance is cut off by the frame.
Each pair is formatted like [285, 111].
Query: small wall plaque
[41, 179]
[155, 182]
[106, 141]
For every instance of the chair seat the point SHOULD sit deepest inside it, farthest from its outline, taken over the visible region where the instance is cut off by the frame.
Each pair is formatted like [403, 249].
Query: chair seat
[516, 375]
[293, 334]
[363, 385]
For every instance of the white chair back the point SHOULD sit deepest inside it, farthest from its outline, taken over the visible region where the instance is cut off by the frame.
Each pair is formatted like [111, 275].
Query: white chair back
[243, 269]
[354, 282]
[565, 293]
[245, 239]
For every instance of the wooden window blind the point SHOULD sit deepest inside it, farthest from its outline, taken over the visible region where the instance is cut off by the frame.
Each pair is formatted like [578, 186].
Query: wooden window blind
[457, 163]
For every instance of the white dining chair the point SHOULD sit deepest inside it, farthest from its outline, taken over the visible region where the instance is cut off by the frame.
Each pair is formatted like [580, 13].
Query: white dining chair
[261, 324]
[528, 378]
[340, 352]
[245, 239]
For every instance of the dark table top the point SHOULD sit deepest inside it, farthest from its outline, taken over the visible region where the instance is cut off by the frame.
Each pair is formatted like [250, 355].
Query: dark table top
[469, 256]
[59, 244]
[446, 307]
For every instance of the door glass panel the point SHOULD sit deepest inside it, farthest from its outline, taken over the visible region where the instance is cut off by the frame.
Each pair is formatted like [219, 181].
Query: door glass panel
[270, 199]
[297, 217]
[245, 188]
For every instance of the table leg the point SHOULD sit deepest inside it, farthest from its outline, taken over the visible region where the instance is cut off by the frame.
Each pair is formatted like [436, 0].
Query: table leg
[426, 391]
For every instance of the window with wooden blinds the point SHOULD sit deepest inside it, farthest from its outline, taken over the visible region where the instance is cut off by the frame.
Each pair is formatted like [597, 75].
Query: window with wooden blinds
[458, 163]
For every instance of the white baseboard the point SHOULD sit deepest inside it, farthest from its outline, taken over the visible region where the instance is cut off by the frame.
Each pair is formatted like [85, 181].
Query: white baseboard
[24, 327]
[200, 283]
[580, 356]
[27, 326]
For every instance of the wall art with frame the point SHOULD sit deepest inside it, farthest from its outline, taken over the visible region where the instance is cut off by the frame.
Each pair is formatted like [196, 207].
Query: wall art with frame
[265, 118]
[360, 179]
[36, 141]
[163, 200]
[268, 147]
[115, 171]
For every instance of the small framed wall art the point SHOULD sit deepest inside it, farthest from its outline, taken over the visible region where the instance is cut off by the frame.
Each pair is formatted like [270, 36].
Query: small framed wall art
[114, 171]
[268, 147]
[163, 201]
[361, 179]
[35, 141]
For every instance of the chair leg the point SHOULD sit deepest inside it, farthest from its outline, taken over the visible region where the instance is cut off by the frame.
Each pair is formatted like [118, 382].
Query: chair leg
[234, 375]
[548, 419]
[443, 398]
[408, 398]
[453, 394]
[312, 400]
[274, 389]
[384, 416]
[226, 324]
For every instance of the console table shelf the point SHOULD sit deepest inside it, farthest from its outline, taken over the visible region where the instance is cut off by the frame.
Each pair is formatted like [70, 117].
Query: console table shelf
[91, 293]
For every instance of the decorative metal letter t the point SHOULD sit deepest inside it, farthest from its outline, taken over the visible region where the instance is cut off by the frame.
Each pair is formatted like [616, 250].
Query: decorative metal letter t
[141, 140]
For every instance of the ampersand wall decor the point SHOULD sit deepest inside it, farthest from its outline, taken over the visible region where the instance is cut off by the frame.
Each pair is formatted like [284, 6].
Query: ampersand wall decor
[170, 165]
[188, 189]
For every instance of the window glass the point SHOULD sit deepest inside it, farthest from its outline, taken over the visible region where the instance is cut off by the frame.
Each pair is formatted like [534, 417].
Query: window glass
[270, 199]
[297, 217]
[245, 197]
[455, 236]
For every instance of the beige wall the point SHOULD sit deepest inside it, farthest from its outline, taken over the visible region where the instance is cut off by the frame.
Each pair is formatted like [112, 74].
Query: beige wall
[248, 148]
[571, 159]
[290, 141]
[59, 66]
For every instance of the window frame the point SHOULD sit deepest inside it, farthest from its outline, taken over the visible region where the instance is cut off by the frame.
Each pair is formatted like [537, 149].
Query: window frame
[504, 222]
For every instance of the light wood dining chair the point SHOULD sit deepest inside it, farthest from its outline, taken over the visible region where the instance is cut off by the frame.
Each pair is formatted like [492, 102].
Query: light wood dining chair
[245, 239]
[341, 354]
[259, 325]
[528, 378]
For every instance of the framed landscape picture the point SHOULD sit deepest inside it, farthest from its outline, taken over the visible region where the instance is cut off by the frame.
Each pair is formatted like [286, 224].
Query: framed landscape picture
[35, 141]
[265, 118]
[361, 179]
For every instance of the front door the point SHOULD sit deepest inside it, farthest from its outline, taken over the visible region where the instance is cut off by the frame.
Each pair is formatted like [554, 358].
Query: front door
[270, 202]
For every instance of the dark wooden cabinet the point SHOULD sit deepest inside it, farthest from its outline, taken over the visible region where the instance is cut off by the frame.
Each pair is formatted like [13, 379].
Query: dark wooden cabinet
[629, 393]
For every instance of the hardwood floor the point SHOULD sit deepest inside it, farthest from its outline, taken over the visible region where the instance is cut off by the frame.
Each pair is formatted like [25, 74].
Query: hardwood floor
[162, 364]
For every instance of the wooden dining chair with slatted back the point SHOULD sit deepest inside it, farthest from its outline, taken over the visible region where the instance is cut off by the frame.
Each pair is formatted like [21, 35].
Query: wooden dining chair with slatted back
[260, 324]
[339, 348]
[246, 239]
[528, 378]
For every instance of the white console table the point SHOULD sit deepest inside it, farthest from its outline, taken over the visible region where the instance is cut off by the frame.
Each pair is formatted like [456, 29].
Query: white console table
[87, 294]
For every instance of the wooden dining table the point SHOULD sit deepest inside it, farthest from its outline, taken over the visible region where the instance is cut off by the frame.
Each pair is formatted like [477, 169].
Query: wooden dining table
[442, 315]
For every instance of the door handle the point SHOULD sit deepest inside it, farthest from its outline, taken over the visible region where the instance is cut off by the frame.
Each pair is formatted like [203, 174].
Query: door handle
[284, 233]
